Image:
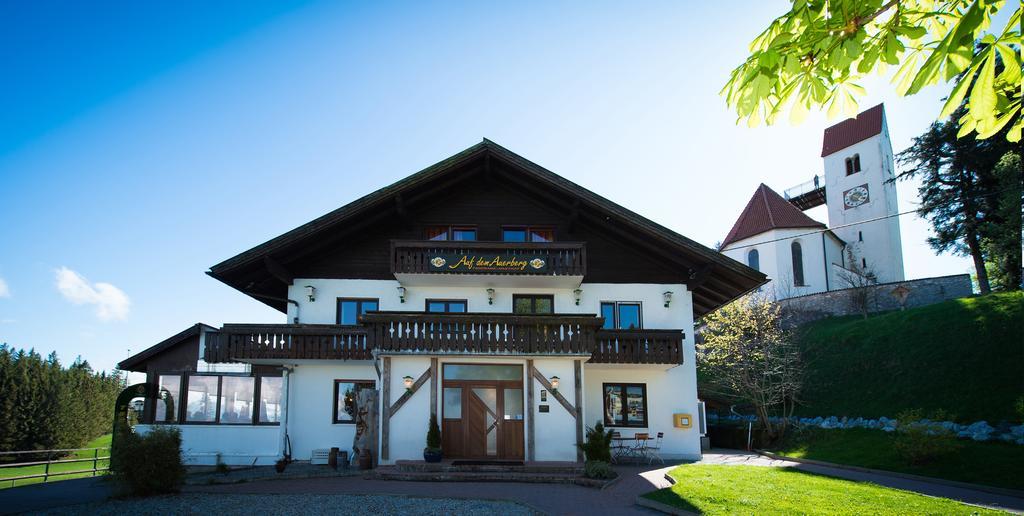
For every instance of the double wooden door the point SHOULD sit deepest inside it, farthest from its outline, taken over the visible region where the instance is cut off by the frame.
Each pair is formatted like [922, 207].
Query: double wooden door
[483, 419]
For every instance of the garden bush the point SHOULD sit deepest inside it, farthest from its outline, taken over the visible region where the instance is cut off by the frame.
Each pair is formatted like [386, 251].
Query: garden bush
[598, 469]
[598, 445]
[921, 444]
[149, 464]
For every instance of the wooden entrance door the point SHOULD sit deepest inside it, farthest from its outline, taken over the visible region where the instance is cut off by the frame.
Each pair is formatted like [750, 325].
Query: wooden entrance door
[482, 419]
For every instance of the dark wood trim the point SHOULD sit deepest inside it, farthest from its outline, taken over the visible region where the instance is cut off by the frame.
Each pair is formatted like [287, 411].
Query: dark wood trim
[277, 270]
[433, 387]
[413, 256]
[531, 455]
[625, 406]
[409, 393]
[334, 401]
[578, 386]
[385, 417]
[557, 395]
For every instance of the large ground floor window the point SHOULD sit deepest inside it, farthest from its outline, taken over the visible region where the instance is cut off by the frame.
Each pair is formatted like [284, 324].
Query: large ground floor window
[218, 399]
[346, 397]
[625, 404]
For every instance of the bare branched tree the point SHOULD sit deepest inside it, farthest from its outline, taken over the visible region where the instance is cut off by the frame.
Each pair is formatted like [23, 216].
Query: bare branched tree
[748, 357]
[860, 281]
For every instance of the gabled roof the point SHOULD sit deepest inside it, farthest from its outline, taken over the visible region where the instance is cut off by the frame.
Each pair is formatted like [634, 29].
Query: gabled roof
[853, 130]
[717, 278]
[766, 210]
[133, 362]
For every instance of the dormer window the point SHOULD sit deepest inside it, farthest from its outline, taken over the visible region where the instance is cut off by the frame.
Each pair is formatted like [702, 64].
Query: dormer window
[458, 233]
[527, 234]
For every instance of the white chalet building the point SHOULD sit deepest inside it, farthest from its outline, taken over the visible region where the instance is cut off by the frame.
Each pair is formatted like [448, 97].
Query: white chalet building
[512, 304]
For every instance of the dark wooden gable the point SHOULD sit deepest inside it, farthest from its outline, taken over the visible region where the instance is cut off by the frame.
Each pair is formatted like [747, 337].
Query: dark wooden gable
[489, 204]
[487, 186]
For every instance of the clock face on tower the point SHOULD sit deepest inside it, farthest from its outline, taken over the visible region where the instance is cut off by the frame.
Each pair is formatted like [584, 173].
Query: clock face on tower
[855, 196]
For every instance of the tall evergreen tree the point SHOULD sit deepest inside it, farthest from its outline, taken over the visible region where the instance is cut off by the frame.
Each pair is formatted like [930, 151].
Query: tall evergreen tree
[960, 191]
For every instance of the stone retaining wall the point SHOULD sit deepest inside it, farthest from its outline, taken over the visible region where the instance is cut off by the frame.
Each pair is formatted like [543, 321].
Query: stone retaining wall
[880, 298]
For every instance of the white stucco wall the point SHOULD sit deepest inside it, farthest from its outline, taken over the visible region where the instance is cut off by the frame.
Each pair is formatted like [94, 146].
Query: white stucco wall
[882, 244]
[311, 406]
[408, 432]
[776, 259]
[237, 445]
[324, 309]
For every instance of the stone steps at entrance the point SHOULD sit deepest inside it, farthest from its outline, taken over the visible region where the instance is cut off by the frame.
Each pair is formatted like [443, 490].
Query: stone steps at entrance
[552, 468]
[394, 473]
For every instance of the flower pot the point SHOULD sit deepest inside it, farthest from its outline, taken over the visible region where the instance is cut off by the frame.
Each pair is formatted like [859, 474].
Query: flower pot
[431, 455]
[280, 465]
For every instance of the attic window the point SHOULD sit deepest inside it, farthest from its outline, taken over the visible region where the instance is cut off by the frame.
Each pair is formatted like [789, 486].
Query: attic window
[460, 233]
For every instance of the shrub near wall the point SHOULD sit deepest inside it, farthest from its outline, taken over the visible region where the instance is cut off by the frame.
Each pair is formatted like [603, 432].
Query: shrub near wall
[149, 464]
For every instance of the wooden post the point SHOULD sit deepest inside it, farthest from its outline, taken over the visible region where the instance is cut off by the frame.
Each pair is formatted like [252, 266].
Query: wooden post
[385, 416]
[577, 369]
[529, 410]
[434, 383]
[95, 460]
[46, 472]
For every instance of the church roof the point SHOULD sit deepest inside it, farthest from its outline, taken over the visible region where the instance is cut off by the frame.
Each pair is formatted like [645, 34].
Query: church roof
[766, 211]
[853, 130]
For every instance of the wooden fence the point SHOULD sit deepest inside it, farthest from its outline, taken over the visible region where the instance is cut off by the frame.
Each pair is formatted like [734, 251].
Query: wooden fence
[53, 457]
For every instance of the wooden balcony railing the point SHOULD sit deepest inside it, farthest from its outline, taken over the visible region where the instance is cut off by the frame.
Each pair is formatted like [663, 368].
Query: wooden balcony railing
[485, 333]
[638, 347]
[509, 258]
[287, 341]
[429, 333]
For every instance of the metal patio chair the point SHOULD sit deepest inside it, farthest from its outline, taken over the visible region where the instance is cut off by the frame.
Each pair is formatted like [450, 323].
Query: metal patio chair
[654, 452]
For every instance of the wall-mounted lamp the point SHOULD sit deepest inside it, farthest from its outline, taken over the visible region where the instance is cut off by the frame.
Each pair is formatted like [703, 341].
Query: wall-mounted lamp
[668, 297]
[490, 296]
[554, 384]
[408, 383]
[401, 294]
[577, 294]
[311, 293]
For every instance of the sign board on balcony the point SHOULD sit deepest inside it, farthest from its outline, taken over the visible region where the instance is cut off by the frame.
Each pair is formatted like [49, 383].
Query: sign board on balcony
[491, 263]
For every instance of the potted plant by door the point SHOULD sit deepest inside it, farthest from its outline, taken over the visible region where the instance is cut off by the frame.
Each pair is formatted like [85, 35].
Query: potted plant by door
[432, 453]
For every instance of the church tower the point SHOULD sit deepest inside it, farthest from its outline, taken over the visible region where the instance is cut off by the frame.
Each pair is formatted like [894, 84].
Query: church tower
[859, 169]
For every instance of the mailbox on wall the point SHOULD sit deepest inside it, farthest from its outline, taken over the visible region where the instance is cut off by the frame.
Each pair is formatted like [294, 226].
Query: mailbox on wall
[682, 420]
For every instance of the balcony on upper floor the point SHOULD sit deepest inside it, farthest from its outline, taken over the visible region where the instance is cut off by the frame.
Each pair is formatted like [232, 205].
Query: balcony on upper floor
[512, 264]
[479, 334]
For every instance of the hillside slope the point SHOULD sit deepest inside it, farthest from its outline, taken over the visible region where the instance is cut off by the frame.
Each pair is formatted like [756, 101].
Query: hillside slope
[964, 357]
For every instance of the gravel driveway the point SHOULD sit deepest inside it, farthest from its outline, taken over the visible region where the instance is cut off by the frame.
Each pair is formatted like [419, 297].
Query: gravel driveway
[251, 504]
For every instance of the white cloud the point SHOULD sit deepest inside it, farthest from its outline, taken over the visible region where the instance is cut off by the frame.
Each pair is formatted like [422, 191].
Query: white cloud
[111, 302]
[4, 290]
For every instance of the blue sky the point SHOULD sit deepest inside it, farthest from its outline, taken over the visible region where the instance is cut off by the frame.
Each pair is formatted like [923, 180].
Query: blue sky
[141, 143]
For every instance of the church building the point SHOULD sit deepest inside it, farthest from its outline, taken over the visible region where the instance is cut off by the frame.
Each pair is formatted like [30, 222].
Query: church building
[862, 239]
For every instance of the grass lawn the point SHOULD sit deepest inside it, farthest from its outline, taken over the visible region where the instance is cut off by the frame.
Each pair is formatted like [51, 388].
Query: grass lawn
[99, 442]
[994, 464]
[718, 489]
[963, 357]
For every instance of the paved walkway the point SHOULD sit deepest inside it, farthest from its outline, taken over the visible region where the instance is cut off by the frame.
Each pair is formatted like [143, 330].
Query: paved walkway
[547, 498]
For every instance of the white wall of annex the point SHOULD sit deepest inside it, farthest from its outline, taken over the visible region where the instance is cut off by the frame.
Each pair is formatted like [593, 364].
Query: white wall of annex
[324, 309]
[235, 445]
[311, 406]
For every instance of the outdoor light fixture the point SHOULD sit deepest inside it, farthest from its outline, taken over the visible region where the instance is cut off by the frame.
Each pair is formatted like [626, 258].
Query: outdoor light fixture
[668, 297]
[490, 296]
[311, 293]
[401, 294]
[554, 384]
[408, 383]
[578, 293]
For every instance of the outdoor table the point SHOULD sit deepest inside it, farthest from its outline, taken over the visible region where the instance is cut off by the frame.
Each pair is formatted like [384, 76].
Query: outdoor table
[629, 446]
